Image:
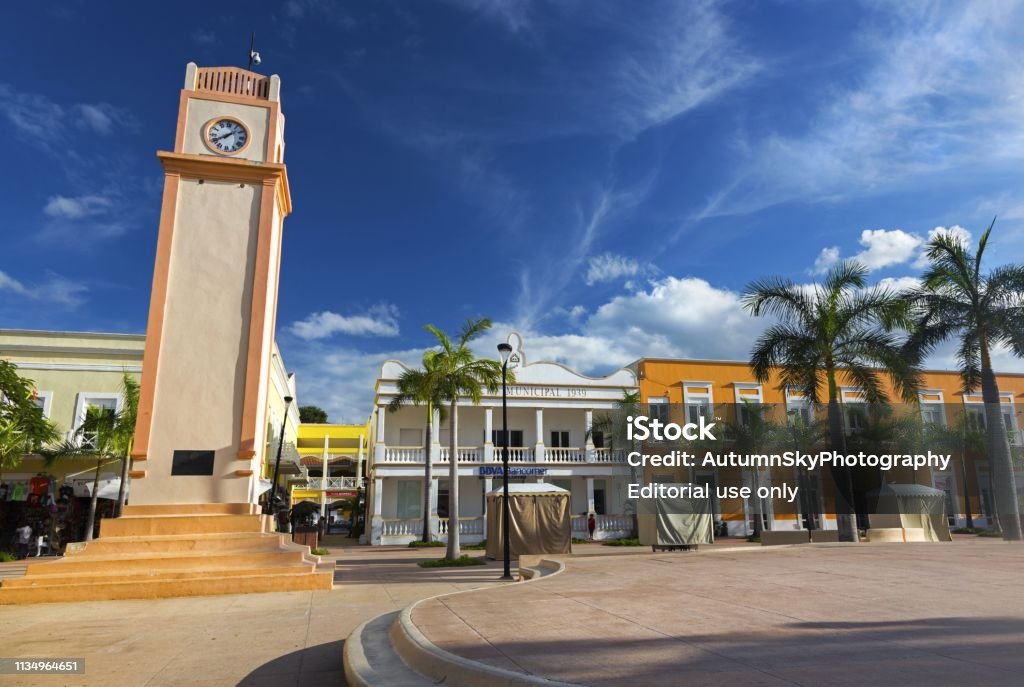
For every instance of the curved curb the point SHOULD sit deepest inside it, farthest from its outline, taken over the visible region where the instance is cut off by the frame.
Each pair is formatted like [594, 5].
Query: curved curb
[434, 663]
[444, 666]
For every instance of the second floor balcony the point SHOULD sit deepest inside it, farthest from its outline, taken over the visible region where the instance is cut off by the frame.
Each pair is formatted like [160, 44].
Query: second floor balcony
[470, 455]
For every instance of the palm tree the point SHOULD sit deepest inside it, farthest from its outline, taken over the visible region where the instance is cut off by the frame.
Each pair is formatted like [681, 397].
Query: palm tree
[23, 428]
[613, 428]
[459, 374]
[752, 431]
[838, 328]
[129, 415]
[420, 387]
[982, 311]
[105, 435]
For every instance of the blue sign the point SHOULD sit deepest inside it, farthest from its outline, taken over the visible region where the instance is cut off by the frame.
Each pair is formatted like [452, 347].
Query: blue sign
[496, 471]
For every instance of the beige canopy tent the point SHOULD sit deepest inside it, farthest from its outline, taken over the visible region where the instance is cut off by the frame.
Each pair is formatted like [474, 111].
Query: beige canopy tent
[539, 520]
[917, 510]
[683, 521]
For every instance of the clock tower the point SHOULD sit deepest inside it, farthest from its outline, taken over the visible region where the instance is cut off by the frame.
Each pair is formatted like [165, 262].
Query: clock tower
[202, 425]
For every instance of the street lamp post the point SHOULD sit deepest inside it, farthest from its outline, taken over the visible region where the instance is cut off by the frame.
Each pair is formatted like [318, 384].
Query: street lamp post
[277, 463]
[505, 350]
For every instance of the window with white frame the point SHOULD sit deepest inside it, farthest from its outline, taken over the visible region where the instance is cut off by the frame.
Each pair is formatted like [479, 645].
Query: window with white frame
[104, 402]
[43, 401]
[855, 409]
[975, 409]
[697, 400]
[657, 408]
[932, 409]
[748, 397]
[799, 407]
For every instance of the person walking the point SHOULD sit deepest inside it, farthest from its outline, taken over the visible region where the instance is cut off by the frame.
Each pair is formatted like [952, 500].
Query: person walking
[591, 525]
[23, 538]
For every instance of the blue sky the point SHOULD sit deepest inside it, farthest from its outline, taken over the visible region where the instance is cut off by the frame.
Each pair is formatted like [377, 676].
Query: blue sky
[604, 177]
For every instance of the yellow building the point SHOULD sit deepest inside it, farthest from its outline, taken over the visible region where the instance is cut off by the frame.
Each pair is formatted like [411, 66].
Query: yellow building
[333, 463]
[684, 390]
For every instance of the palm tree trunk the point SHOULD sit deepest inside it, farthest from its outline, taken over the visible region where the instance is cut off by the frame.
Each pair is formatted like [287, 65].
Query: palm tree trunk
[90, 521]
[427, 473]
[454, 551]
[122, 488]
[841, 475]
[1004, 487]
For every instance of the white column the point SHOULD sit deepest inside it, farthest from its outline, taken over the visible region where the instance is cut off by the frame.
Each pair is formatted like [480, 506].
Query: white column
[538, 452]
[377, 523]
[433, 507]
[488, 486]
[589, 454]
[323, 481]
[590, 495]
[379, 445]
[489, 449]
[359, 463]
[435, 427]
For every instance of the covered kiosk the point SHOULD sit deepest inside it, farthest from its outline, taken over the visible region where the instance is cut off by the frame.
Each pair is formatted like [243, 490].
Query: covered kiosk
[908, 512]
[678, 518]
[539, 520]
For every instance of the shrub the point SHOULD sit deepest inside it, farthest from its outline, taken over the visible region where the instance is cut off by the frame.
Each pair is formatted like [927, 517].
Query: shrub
[319, 551]
[754, 539]
[459, 562]
[966, 530]
[990, 533]
[425, 544]
[577, 540]
[481, 546]
[624, 541]
[7, 557]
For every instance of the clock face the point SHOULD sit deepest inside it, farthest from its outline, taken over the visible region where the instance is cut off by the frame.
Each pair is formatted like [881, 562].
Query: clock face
[227, 135]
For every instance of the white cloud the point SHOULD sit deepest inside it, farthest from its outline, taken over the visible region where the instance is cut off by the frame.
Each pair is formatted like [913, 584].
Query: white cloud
[380, 320]
[938, 90]
[826, 258]
[77, 207]
[885, 247]
[611, 267]
[54, 289]
[45, 123]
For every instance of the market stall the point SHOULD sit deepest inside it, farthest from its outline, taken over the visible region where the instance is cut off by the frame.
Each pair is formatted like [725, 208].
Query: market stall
[539, 520]
[908, 512]
[676, 519]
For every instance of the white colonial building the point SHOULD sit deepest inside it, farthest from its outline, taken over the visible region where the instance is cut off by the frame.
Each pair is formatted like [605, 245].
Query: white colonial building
[551, 413]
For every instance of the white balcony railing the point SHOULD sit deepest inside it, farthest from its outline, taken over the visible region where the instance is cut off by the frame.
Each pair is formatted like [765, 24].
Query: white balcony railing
[403, 454]
[607, 455]
[564, 455]
[466, 526]
[331, 483]
[517, 454]
[467, 454]
[604, 523]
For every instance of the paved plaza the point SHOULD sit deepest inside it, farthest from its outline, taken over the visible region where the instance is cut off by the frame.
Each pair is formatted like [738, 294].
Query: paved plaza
[883, 614]
[935, 614]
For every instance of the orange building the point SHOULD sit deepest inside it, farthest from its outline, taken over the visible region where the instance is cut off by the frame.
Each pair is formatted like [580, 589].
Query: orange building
[683, 390]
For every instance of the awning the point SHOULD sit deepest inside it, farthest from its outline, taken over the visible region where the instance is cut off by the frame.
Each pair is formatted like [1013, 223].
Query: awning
[109, 486]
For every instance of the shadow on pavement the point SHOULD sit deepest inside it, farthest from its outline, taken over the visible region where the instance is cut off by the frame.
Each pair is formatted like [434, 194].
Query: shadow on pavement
[316, 665]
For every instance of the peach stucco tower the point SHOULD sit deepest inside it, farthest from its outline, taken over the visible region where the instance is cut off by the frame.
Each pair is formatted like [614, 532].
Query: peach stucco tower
[201, 431]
